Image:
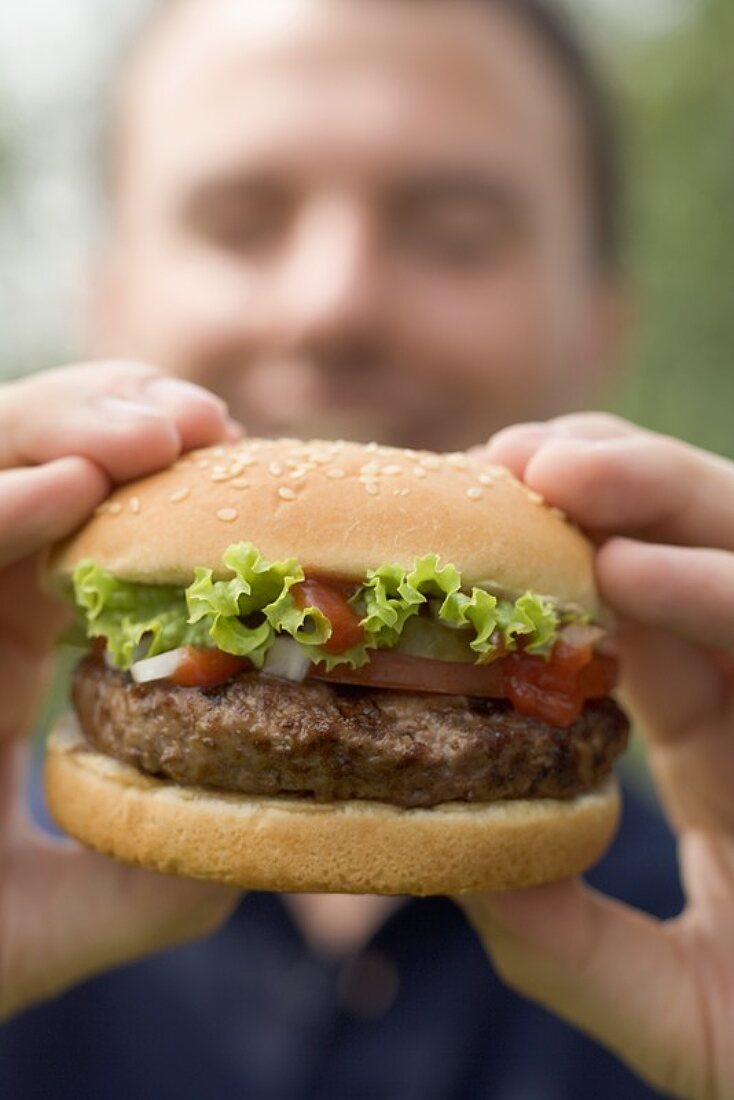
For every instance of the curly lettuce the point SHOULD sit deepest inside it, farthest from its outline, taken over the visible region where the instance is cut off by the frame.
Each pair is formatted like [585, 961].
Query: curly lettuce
[243, 614]
[136, 620]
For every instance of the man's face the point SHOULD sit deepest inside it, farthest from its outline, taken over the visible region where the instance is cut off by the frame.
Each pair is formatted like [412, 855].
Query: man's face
[361, 218]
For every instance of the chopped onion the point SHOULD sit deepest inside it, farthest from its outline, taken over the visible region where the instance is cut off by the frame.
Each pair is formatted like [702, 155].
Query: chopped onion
[157, 668]
[580, 634]
[287, 659]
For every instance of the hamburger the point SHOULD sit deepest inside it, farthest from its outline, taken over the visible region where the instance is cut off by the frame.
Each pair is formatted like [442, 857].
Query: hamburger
[328, 666]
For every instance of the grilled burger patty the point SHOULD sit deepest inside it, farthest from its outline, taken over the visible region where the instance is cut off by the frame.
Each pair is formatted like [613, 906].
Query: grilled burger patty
[259, 735]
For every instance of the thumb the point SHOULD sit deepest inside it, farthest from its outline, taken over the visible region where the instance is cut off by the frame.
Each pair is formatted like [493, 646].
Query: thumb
[614, 973]
[70, 913]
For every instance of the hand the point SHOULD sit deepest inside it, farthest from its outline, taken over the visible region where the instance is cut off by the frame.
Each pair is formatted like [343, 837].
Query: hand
[65, 437]
[661, 995]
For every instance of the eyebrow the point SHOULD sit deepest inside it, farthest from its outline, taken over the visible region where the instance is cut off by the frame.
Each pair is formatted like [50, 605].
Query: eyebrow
[479, 189]
[231, 185]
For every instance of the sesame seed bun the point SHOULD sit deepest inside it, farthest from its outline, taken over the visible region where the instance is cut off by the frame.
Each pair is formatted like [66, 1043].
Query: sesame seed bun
[340, 509]
[292, 844]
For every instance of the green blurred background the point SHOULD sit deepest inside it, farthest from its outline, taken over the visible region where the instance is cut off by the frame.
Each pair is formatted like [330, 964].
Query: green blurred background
[677, 95]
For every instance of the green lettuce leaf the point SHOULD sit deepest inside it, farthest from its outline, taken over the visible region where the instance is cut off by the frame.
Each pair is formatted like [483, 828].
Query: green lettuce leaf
[137, 620]
[243, 614]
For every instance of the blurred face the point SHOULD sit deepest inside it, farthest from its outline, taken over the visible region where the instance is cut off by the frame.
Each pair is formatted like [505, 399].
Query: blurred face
[360, 218]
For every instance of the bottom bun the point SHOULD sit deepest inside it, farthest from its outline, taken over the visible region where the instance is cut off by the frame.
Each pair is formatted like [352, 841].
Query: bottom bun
[294, 844]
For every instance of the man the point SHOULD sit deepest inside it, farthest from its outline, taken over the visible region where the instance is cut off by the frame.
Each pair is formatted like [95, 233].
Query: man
[364, 218]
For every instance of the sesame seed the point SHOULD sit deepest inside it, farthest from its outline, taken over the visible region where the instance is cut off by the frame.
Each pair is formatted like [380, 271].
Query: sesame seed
[475, 493]
[102, 510]
[487, 479]
[400, 492]
[285, 493]
[372, 446]
[558, 513]
[458, 461]
[431, 462]
[335, 472]
[370, 468]
[239, 483]
[420, 471]
[227, 515]
[179, 495]
[221, 475]
[114, 508]
[275, 468]
[202, 463]
[218, 452]
[236, 468]
[371, 487]
[392, 471]
[298, 473]
[536, 498]
[134, 505]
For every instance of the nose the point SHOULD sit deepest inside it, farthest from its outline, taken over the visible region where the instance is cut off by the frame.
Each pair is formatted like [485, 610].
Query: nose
[329, 286]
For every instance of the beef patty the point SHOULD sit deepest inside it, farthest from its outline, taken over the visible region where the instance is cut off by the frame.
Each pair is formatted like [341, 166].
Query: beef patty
[260, 735]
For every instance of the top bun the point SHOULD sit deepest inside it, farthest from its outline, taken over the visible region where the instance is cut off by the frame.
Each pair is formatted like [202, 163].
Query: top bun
[340, 509]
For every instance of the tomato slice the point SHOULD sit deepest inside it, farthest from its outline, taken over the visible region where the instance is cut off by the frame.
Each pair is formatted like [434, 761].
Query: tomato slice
[206, 667]
[332, 601]
[553, 690]
[400, 672]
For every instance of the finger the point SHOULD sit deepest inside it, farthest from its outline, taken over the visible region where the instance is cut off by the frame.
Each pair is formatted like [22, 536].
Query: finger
[610, 971]
[646, 486]
[683, 705]
[609, 475]
[515, 446]
[30, 623]
[689, 592]
[41, 504]
[69, 913]
[127, 418]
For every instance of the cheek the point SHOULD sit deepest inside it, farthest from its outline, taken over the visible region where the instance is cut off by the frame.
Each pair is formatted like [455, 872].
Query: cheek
[503, 327]
[188, 310]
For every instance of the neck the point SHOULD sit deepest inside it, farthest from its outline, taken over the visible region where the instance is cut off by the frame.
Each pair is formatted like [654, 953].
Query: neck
[336, 925]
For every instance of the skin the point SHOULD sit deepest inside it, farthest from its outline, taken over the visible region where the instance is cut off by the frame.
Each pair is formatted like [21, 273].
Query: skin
[66, 437]
[343, 318]
[395, 244]
[658, 994]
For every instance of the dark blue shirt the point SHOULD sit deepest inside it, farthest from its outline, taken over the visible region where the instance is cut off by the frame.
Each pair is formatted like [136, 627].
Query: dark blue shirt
[250, 1013]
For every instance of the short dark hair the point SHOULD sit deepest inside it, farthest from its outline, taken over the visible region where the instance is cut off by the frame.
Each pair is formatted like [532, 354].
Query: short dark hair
[598, 129]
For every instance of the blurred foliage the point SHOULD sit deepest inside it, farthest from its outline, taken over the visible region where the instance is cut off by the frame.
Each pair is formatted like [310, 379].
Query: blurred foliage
[679, 92]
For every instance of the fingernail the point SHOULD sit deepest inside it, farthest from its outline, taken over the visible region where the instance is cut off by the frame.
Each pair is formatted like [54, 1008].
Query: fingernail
[121, 410]
[234, 430]
[174, 390]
